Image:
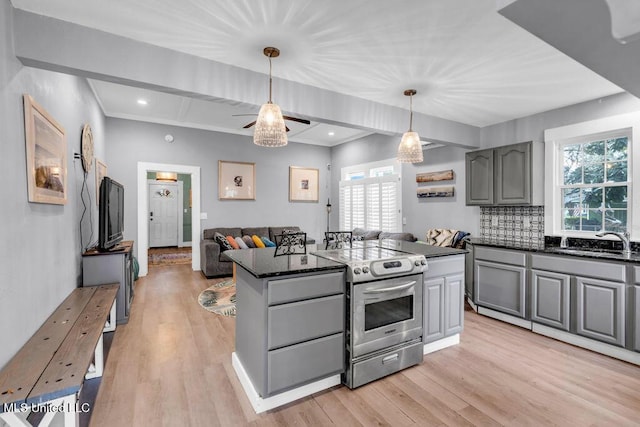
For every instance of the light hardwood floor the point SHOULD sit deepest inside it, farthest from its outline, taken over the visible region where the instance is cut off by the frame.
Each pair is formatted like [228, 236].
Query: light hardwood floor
[171, 365]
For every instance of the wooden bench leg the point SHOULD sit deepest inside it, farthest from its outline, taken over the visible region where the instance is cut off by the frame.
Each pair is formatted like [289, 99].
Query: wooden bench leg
[110, 326]
[64, 405]
[97, 367]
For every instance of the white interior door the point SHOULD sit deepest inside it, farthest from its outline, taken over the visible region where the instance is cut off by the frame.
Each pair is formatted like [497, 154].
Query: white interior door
[163, 214]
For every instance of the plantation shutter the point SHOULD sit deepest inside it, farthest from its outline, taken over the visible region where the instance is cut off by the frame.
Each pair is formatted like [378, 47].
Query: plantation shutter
[370, 203]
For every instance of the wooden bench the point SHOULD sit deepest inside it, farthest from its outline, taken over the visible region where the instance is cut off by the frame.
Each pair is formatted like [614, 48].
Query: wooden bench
[47, 373]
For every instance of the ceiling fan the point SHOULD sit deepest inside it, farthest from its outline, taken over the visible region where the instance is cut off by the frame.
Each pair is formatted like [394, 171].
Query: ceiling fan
[273, 52]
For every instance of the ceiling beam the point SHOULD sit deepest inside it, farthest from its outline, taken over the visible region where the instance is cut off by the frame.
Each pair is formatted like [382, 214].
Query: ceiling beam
[52, 44]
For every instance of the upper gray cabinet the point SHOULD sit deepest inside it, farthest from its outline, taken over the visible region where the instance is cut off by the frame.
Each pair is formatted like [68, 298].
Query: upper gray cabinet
[479, 177]
[507, 175]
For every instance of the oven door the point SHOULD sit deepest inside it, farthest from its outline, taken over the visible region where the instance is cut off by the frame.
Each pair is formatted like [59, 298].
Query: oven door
[385, 313]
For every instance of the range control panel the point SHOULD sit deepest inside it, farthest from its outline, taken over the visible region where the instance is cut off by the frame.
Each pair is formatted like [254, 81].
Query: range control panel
[364, 271]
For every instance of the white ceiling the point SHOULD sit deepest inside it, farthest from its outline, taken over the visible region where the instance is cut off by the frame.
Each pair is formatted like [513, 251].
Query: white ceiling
[468, 63]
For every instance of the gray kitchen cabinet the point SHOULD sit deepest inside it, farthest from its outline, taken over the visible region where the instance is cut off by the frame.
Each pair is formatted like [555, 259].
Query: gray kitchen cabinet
[500, 280]
[506, 175]
[479, 177]
[292, 329]
[600, 310]
[636, 325]
[550, 299]
[443, 297]
[513, 174]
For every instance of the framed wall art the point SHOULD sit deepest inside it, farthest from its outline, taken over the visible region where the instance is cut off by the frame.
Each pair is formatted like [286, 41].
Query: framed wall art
[429, 192]
[435, 176]
[46, 155]
[236, 180]
[303, 184]
[101, 172]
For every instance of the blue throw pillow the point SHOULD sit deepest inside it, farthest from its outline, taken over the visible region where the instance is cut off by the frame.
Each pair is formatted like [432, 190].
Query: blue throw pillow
[268, 243]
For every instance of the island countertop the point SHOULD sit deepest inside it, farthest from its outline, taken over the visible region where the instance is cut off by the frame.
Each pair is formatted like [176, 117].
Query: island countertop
[262, 263]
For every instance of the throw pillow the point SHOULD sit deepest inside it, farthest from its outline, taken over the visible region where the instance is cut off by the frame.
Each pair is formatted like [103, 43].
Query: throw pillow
[268, 243]
[257, 241]
[248, 241]
[241, 243]
[233, 242]
[222, 241]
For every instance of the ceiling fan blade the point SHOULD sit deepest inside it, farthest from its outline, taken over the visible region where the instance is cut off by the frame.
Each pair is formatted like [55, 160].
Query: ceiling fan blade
[249, 125]
[240, 115]
[296, 119]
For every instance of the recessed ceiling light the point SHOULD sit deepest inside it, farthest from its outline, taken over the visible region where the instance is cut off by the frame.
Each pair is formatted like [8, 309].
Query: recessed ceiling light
[331, 133]
[142, 101]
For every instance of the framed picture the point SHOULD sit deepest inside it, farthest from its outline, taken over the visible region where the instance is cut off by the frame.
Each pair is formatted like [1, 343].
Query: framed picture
[435, 176]
[236, 180]
[101, 172]
[303, 184]
[428, 192]
[46, 155]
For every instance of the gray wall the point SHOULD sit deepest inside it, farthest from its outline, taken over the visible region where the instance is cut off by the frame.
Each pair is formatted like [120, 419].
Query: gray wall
[40, 253]
[420, 214]
[531, 128]
[130, 142]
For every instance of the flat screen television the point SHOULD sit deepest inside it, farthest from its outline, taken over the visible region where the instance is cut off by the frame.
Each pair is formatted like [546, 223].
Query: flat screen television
[111, 214]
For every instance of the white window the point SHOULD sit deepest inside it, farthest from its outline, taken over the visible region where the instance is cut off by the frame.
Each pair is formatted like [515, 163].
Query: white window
[589, 177]
[370, 197]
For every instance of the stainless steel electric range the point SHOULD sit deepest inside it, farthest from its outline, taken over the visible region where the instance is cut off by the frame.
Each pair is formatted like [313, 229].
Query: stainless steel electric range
[384, 315]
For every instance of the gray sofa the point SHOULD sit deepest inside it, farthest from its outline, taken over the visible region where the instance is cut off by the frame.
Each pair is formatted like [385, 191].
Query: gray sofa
[362, 234]
[212, 263]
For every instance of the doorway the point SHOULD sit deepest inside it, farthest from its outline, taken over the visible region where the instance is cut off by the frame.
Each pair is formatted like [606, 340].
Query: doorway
[143, 210]
[165, 213]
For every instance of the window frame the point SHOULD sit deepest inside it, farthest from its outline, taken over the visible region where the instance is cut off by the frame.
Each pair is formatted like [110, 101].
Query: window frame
[367, 169]
[555, 139]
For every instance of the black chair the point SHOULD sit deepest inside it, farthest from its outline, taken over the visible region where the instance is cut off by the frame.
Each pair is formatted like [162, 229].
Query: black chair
[290, 244]
[338, 239]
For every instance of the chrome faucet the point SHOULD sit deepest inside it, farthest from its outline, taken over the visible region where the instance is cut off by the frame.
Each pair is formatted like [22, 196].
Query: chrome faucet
[625, 237]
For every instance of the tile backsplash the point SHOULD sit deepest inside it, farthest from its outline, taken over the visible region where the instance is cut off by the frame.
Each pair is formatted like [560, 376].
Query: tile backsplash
[513, 225]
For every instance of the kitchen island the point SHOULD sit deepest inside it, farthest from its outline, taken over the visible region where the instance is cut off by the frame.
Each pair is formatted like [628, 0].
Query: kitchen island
[291, 311]
[289, 325]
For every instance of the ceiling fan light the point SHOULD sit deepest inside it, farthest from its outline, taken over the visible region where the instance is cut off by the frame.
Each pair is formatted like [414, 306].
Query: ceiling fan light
[410, 149]
[270, 129]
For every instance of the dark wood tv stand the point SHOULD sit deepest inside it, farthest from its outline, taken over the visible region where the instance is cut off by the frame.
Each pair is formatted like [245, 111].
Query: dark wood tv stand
[115, 265]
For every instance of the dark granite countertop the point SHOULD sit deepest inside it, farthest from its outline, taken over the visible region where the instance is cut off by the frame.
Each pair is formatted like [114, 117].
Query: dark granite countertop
[262, 263]
[428, 251]
[523, 246]
[593, 253]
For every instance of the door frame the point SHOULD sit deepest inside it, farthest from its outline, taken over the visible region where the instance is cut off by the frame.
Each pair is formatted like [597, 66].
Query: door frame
[143, 210]
[180, 208]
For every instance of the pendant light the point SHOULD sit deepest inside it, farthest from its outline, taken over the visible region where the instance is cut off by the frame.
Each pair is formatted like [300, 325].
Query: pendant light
[270, 128]
[410, 149]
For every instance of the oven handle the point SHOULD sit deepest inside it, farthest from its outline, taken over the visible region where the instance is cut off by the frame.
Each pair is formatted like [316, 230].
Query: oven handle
[391, 289]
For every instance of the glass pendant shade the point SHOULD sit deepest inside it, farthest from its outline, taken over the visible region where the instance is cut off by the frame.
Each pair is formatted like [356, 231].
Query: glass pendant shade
[410, 149]
[270, 130]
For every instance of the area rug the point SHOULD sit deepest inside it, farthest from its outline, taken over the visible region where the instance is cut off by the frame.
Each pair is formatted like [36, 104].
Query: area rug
[166, 256]
[220, 298]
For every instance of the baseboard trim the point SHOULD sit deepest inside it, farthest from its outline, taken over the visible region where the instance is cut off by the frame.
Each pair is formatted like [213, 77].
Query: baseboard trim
[472, 305]
[440, 344]
[505, 317]
[260, 404]
[589, 344]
